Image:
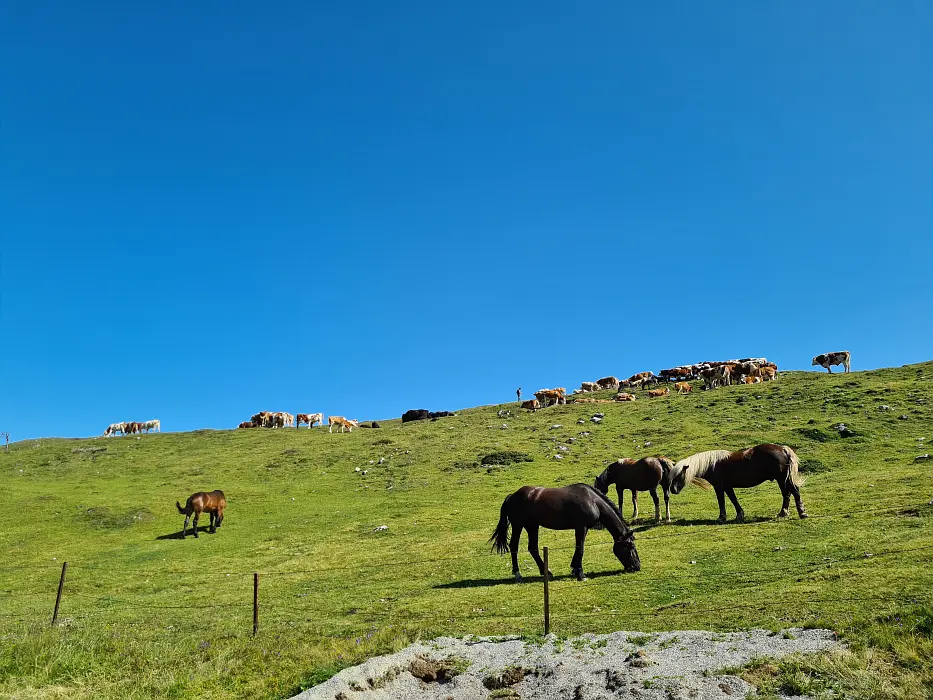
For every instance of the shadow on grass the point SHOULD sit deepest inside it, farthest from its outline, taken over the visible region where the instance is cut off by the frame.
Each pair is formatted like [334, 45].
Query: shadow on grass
[480, 582]
[177, 535]
[701, 521]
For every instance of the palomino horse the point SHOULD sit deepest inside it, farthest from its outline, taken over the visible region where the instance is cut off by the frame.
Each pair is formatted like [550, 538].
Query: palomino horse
[644, 474]
[213, 502]
[726, 471]
[578, 507]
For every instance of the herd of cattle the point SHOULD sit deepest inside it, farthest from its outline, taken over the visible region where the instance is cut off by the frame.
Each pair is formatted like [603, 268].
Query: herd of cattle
[132, 428]
[283, 419]
[749, 370]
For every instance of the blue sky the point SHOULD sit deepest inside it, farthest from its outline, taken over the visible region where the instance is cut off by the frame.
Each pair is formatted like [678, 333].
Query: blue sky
[209, 209]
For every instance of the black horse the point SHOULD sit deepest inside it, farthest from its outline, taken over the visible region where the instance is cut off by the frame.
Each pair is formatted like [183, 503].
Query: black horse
[579, 507]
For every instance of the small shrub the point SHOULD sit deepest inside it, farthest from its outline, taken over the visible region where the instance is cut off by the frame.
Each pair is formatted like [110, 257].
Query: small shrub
[814, 434]
[813, 466]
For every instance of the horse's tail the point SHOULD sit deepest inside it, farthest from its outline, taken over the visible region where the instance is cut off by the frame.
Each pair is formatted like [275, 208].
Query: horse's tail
[183, 511]
[500, 536]
[793, 468]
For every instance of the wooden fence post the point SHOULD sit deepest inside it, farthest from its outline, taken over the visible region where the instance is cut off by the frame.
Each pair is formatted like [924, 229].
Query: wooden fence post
[547, 597]
[255, 602]
[58, 597]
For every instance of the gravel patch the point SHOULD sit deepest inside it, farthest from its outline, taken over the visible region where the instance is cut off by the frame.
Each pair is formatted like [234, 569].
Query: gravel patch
[662, 666]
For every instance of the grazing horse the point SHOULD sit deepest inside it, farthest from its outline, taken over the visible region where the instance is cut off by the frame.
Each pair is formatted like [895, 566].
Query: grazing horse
[578, 507]
[213, 502]
[644, 474]
[725, 471]
[154, 424]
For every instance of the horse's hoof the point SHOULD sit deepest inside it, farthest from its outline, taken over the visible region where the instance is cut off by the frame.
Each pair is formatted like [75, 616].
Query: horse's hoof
[519, 579]
[803, 516]
[721, 521]
[550, 575]
[782, 514]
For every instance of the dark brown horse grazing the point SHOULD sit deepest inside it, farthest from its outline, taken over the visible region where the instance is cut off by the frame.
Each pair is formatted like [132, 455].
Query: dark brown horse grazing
[644, 474]
[578, 507]
[213, 502]
[726, 471]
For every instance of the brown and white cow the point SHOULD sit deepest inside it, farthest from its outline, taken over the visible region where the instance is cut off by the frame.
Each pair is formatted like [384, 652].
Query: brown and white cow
[310, 419]
[586, 387]
[341, 423]
[608, 383]
[531, 404]
[768, 373]
[659, 392]
[683, 387]
[550, 396]
[624, 396]
[828, 359]
[113, 429]
[247, 424]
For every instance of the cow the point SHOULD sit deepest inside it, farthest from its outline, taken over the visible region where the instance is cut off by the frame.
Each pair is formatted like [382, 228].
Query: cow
[623, 396]
[768, 373]
[683, 387]
[415, 414]
[551, 396]
[132, 427]
[828, 359]
[309, 418]
[152, 425]
[531, 405]
[608, 383]
[114, 428]
[588, 386]
[659, 392]
[637, 377]
[434, 415]
[748, 379]
[341, 423]
[247, 424]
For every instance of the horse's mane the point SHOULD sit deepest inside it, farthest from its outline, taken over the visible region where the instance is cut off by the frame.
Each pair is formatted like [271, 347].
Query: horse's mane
[698, 465]
[608, 501]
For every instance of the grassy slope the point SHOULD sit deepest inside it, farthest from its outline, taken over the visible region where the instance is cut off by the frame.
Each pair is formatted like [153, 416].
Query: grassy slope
[334, 591]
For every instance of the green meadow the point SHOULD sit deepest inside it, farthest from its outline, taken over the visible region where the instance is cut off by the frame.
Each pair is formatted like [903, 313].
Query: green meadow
[145, 614]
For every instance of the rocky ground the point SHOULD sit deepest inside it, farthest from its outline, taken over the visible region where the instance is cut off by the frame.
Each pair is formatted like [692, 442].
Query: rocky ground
[662, 666]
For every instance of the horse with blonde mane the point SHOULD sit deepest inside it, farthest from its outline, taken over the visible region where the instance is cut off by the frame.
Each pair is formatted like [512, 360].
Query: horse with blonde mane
[726, 471]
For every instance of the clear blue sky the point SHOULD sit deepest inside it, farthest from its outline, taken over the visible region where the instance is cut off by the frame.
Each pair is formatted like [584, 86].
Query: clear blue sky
[210, 208]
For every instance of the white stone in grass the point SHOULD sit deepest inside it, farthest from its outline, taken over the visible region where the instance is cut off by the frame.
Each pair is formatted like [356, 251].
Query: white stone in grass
[381, 528]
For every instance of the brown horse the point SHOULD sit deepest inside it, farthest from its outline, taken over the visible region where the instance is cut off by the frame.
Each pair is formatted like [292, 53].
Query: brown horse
[644, 474]
[726, 471]
[213, 502]
[578, 507]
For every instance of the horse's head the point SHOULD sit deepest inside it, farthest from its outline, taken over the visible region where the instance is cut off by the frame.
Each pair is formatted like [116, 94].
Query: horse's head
[678, 477]
[602, 481]
[624, 549]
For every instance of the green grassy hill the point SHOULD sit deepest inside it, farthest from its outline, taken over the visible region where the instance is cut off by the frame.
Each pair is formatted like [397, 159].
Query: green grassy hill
[145, 614]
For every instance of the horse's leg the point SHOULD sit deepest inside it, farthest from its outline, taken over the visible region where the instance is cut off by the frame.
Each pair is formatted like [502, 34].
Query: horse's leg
[785, 498]
[739, 513]
[576, 564]
[795, 490]
[721, 497]
[197, 514]
[634, 504]
[667, 502]
[513, 548]
[213, 516]
[533, 550]
[657, 504]
[184, 528]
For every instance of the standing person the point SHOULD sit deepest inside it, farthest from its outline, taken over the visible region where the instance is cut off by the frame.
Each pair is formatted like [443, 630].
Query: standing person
[518, 393]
